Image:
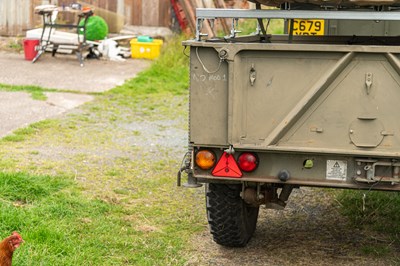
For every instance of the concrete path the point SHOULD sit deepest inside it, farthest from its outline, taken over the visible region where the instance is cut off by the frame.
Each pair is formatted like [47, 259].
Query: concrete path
[63, 72]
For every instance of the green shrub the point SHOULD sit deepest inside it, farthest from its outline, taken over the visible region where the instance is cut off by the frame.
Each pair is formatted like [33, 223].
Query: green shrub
[96, 28]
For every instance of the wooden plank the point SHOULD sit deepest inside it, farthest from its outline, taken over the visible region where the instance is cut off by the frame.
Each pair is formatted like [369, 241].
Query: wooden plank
[181, 17]
[219, 24]
[164, 13]
[127, 12]
[112, 6]
[137, 12]
[121, 7]
[209, 3]
[219, 3]
[36, 20]
[206, 25]
[150, 9]
[15, 17]
[224, 22]
[190, 15]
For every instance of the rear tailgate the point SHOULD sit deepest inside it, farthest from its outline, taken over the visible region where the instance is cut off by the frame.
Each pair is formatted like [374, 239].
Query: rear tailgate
[337, 104]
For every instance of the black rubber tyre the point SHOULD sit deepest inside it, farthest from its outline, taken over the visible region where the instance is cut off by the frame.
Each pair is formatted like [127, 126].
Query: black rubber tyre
[232, 221]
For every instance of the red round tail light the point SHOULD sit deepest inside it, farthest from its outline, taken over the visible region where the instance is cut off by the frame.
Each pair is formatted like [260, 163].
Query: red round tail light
[248, 162]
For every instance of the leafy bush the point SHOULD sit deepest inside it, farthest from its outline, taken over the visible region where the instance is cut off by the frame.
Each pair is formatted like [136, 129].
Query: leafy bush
[96, 28]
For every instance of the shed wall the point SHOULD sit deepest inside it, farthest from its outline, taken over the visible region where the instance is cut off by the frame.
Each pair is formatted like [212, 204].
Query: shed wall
[17, 16]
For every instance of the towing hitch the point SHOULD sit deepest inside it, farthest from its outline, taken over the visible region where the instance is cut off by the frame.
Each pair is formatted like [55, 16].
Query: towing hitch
[186, 168]
[373, 171]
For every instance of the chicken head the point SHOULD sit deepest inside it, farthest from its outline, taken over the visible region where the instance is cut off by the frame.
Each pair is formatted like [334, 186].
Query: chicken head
[15, 240]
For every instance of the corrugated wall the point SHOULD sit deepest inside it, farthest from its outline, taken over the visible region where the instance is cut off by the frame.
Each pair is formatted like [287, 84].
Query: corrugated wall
[17, 16]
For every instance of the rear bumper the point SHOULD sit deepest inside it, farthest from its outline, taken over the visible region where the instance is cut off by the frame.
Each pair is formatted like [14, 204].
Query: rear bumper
[315, 170]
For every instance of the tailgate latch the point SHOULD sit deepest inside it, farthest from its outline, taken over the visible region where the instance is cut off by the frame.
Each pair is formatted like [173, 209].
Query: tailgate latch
[253, 75]
[368, 82]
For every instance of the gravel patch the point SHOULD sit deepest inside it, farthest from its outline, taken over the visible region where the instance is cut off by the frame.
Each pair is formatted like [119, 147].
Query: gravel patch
[157, 134]
[309, 231]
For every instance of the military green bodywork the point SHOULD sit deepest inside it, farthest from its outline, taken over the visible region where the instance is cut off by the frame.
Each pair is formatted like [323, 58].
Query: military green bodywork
[324, 109]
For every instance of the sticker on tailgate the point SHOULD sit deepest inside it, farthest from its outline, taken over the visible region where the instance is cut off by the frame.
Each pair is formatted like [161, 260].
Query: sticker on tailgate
[336, 170]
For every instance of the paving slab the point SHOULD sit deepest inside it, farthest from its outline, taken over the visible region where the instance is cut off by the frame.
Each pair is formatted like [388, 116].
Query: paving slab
[18, 109]
[62, 72]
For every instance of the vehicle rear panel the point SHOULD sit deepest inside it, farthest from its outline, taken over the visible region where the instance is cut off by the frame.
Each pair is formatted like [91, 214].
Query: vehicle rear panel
[332, 107]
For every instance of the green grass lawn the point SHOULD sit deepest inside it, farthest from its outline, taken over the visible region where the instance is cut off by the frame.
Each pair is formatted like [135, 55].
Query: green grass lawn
[80, 193]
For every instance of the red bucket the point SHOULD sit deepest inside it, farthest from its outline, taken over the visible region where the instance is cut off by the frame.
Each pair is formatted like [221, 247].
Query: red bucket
[30, 48]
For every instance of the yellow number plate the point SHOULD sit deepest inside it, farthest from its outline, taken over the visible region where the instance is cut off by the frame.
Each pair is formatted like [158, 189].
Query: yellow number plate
[308, 27]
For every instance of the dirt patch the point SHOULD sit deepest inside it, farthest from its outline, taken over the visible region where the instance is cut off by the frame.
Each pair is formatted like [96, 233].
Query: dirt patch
[310, 231]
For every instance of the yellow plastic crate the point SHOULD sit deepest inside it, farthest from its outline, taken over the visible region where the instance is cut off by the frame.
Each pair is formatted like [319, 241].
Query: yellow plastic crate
[148, 50]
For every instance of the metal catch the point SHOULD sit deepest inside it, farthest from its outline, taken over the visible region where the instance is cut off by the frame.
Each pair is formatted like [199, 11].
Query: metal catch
[253, 75]
[368, 82]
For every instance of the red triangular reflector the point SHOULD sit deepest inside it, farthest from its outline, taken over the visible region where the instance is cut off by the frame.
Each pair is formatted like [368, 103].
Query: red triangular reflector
[227, 167]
